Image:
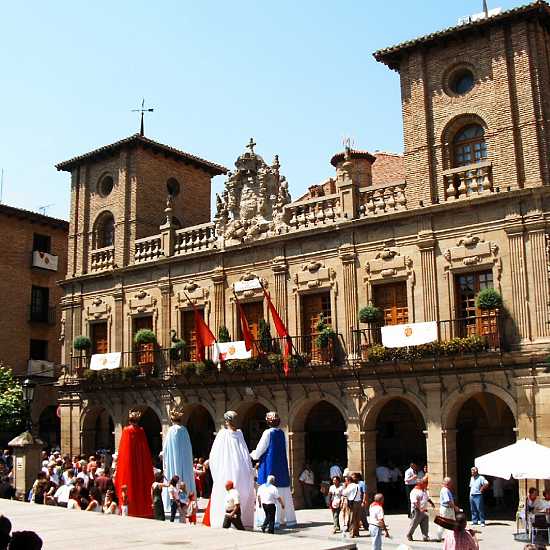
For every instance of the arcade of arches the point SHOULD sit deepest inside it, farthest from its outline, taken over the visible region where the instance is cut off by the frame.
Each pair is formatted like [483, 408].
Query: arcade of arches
[394, 429]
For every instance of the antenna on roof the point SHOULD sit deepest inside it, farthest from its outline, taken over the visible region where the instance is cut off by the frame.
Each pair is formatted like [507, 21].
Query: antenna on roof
[42, 209]
[348, 143]
[485, 8]
[141, 111]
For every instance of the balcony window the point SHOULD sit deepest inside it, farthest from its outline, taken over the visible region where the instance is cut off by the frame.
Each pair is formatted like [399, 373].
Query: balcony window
[38, 350]
[98, 333]
[392, 300]
[40, 297]
[469, 146]
[104, 233]
[41, 243]
[189, 334]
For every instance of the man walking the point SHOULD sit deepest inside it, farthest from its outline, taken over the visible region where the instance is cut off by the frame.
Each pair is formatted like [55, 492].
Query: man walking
[411, 477]
[307, 481]
[353, 494]
[232, 508]
[478, 484]
[268, 495]
[377, 524]
[447, 506]
[419, 510]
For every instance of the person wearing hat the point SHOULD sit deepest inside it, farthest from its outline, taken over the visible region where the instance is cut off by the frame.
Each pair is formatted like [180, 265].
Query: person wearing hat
[272, 461]
[230, 460]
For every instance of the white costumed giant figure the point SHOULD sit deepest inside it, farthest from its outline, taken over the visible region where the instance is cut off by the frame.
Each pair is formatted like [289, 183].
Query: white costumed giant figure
[230, 461]
[272, 461]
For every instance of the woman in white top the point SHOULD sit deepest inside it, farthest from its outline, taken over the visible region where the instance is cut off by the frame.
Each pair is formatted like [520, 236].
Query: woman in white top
[174, 494]
[95, 501]
[72, 503]
[110, 506]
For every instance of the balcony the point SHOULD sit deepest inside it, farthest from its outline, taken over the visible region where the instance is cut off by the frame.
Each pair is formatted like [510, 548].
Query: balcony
[382, 200]
[44, 260]
[42, 315]
[197, 237]
[41, 367]
[468, 181]
[148, 249]
[457, 338]
[315, 212]
[103, 258]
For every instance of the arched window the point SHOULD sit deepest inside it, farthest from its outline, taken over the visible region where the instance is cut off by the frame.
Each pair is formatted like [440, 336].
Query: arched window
[469, 145]
[105, 231]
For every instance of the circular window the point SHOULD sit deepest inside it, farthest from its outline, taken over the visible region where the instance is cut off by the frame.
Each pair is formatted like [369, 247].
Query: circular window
[173, 187]
[461, 81]
[105, 186]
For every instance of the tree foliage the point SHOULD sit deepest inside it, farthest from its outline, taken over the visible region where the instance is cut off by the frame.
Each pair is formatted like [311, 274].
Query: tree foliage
[12, 407]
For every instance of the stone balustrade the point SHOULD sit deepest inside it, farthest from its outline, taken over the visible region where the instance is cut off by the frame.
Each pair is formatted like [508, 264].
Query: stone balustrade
[197, 237]
[382, 200]
[465, 181]
[102, 258]
[315, 212]
[148, 249]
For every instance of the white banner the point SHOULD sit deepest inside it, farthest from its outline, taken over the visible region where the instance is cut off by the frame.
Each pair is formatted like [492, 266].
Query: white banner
[224, 351]
[412, 334]
[251, 284]
[102, 361]
[44, 260]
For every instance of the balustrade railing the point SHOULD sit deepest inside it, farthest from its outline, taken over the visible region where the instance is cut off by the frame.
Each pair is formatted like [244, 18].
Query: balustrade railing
[381, 200]
[102, 258]
[315, 212]
[467, 181]
[148, 249]
[197, 237]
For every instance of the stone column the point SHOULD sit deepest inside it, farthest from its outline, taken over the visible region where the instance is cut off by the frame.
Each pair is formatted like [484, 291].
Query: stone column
[520, 297]
[369, 438]
[348, 256]
[540, 318]
[218, 278]
[297, 454]
[434, 435]
[124, 236]
[117, 336]
[426, 245]
[279, 294]
[70, 407]
[165, 287]
[449, 454]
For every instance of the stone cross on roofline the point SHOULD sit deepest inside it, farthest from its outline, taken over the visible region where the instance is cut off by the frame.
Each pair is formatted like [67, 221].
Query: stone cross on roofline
[251, 145]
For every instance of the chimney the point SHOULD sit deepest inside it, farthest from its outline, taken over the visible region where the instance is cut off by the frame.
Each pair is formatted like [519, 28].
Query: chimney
[361, 166]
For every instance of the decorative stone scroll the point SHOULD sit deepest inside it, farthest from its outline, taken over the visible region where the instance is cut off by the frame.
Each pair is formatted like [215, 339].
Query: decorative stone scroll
[388, 263]
[253, 202]
[142, 302]
[314, 274]
[192, 294]
[471, 250]
[98, 309]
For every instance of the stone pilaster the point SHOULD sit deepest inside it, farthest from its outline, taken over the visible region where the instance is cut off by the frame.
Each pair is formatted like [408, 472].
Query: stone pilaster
[348, 256]
[369, 438]
[426, 245]
[279, 295]
[165, 287]
[218, 278]
[117, 336]
[434, 434]
[297, 454]
[540, 318]
[70, 408]
[124, 236]
[520, 297]
[449, 454]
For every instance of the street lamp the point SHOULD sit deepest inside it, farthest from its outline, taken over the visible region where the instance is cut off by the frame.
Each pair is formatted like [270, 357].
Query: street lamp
[28, 393]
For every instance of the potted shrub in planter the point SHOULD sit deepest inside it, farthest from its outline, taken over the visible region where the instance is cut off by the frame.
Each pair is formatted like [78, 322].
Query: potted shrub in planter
[145, 340]
[370, 314]
[489, 301]
[223, 334]
[325, 341]
[81, 344]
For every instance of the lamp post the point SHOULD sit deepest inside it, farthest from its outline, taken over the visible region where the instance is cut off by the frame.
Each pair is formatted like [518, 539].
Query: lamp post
[28, 394]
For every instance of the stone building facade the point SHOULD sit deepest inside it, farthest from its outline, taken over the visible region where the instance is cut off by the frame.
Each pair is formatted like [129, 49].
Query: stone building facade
[34, 259]
[468, 210]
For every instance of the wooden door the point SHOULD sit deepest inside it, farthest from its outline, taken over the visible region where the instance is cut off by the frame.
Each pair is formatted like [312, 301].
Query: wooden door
[314, 307]
[189, 334]
[100, 342]
[254, 313]
[391, 298]
[145, 352]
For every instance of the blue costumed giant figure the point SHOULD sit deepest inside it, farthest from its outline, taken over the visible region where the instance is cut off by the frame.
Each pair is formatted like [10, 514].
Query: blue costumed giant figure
[272, 461]
[177, 456]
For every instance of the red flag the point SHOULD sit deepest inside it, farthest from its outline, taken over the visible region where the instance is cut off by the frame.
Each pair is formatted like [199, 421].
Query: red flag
[282, 331]
[245, 329]
[205, 337]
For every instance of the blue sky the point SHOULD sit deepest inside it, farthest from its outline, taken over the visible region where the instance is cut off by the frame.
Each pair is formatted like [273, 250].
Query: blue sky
[295, 75]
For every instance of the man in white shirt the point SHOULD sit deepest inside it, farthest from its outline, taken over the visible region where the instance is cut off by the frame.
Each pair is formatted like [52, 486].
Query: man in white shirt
[232, 508]
[411, 477]
[383, 479]
[447, 506]
[355, 498]
[307, 481]
[268, 495]
[61, 496]
[419, 510]
[377, 524]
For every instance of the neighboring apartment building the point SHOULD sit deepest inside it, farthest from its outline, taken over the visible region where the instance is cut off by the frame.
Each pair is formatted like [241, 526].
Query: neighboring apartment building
[34, 260]
[466, 208]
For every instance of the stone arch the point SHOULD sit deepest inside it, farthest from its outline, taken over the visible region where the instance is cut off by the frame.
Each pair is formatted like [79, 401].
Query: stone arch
[97, 429]
[199, 419]
[151, 423]
[49, 426]
[103, 230]
[302, 407]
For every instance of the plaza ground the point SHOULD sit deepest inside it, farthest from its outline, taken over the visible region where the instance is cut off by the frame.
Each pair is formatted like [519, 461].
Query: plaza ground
[61, 529]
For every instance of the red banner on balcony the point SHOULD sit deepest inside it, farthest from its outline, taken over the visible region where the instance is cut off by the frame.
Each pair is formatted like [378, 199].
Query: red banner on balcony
[281, 329]
[204, 335]
[245, 329]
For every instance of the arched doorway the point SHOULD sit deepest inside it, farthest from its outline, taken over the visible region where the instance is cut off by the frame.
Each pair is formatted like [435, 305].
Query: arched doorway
[97, 431]
[49, 427]
[150, 422]
[201, 431]
[325, 439]
[253, 424]
[484, 423]
[400, 440]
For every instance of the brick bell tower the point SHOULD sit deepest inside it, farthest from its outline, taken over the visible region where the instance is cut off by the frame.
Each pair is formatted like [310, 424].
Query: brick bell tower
[119, 193]
[476, 104]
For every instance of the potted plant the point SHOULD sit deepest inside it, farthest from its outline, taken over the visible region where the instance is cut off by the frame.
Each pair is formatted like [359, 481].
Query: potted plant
[489, 299]
[370, 314]
[325, 341]
[83, 345]
[223, 334]
[264, 335]
[177, 350]
[145, 340]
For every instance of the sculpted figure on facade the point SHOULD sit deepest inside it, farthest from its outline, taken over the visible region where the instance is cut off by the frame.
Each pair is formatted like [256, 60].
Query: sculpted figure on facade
[253, 203]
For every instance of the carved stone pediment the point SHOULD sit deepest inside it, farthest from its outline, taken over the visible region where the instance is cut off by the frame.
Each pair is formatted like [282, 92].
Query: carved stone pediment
[98, 309]
[191, 293]
[142, 302]
[314, 274]
[471, 250]
[388, 263]
[251, 292]
[252, 204]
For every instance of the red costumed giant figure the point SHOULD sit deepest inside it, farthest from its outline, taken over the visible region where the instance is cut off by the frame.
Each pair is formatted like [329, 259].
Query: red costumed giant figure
[135, 468]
